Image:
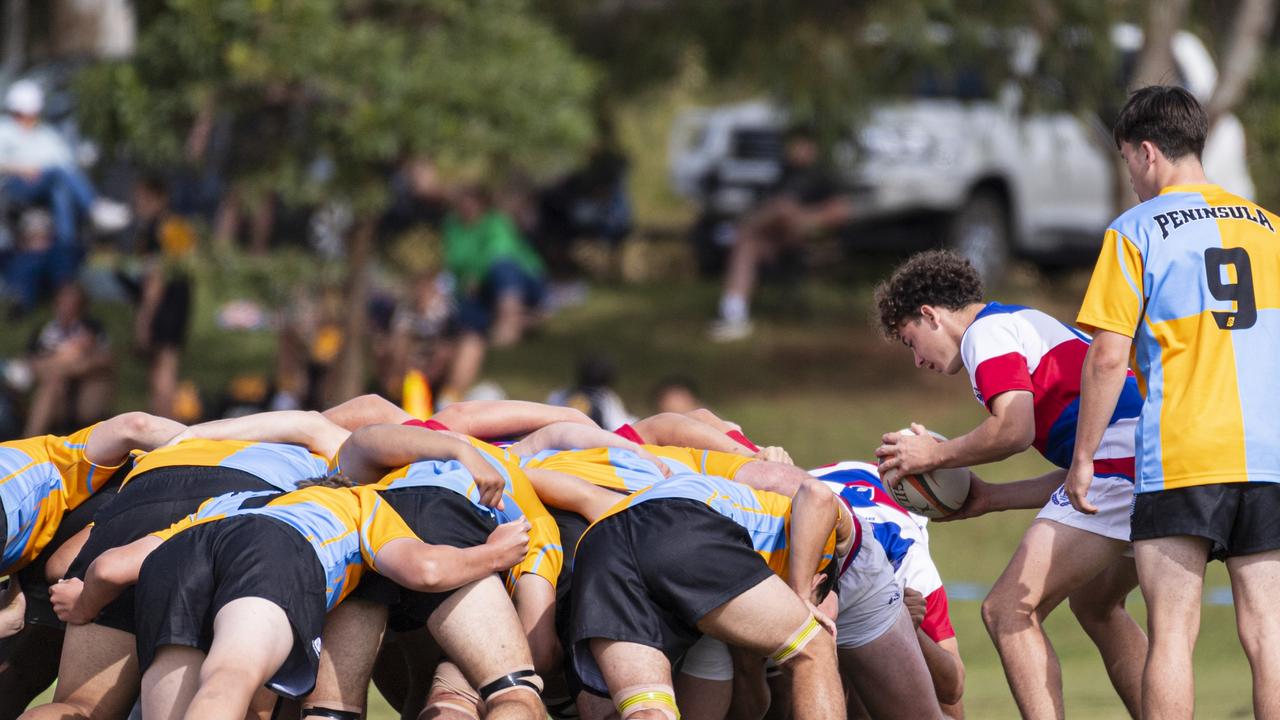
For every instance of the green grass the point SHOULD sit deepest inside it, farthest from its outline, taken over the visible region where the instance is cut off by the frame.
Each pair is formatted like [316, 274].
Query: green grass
[817, 380]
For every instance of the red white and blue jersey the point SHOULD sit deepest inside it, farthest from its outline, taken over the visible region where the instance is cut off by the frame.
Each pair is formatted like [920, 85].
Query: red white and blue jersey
[902, 534]
[1009, 347]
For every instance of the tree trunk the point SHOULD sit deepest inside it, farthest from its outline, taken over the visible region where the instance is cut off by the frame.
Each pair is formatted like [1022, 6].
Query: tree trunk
[1244, 46]
[1155, 63]
[349, 375]
[15, 39]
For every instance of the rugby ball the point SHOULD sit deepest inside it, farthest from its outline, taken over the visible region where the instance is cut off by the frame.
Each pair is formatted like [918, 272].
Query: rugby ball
[933, 494]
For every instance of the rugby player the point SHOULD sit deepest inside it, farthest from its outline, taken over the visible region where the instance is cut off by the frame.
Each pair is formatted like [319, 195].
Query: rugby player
[1024, 367]
[98, 675]
[51, 488]
[433, 480]
[905, 540]
[236, 598]
[1187, 281]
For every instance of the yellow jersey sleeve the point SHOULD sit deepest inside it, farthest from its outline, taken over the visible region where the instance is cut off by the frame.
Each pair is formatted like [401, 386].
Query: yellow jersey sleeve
[1115, 298]
[379, 524]
[81, 478]
[546, 554]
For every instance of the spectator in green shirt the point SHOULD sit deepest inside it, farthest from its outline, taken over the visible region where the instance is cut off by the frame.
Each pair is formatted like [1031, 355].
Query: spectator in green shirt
[500, 280]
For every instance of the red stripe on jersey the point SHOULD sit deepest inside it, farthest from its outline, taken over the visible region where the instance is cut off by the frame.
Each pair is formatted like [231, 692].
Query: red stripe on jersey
[1115, 466]
[1001, 374]
[742, 440]
[937, 616]
[1057, 384]
[429, 424]
[629, 433]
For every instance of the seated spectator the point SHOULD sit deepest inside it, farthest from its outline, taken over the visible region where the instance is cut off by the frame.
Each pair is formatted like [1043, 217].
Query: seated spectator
[676, 394]
[499, 276]
[37, 167]
[806, 201]
[160, 286]
[593, 395]
[70, 357]
[38, 265]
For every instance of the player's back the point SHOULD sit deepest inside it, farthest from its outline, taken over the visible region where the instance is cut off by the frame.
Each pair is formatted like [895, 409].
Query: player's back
[1195, 278]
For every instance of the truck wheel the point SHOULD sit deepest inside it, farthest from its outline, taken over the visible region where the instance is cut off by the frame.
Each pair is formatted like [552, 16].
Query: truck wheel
[980, 232]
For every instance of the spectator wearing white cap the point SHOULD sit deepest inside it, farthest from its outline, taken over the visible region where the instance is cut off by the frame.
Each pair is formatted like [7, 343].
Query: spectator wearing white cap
[37, 167]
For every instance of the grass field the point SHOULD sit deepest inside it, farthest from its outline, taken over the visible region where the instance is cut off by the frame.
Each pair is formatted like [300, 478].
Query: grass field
[818, 381]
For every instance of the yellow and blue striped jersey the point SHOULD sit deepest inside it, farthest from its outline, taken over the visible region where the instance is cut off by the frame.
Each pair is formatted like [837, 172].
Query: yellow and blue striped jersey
[1193, 275]
[766, 516]
[280, 464]
[41, 479]
[346, 527]
[546, 555]
[624, 471]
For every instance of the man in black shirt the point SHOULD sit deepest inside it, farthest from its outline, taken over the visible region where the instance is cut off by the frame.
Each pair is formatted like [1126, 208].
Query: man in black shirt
[805, 201]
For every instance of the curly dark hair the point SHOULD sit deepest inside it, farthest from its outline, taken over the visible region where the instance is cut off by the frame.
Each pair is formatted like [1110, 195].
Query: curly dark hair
[936, 277]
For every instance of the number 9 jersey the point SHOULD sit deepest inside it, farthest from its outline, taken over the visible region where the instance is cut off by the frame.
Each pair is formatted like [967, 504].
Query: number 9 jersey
[1193, 275]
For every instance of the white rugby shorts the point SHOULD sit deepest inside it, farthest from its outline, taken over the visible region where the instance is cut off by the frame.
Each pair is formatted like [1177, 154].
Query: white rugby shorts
[1113, 496]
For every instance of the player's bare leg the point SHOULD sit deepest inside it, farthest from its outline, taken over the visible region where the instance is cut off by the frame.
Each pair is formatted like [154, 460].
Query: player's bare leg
[890, 674]
[97, 677]
[352, 634]
[251, 640]
[170, 682]
[807, 658]
[504, 649]
[702, 698]
[1255, 585]
[1171, 571]
[639, 679]
[751, 696]
[1051, 561]
[1099, 607]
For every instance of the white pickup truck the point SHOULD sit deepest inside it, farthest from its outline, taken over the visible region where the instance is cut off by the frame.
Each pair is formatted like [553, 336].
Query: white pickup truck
[952, 164]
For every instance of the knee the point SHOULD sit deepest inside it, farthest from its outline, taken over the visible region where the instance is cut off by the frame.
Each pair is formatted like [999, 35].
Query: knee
[1000, 612]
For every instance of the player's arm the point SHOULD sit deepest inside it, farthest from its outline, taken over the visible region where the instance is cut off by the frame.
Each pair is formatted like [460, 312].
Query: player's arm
[535, 599]
[985, 497]
[372, 451]
[298, 427]
[576, 436]
[941, 656]
[113, 439]
[566, 492]
[703, 415]
[1101, 382]
[415, 565]
[945, 667]
[370, 409]
[683, 431]
[570, 436]
[815, 512]
[506, 418]
[77, 602]
[1010, 429]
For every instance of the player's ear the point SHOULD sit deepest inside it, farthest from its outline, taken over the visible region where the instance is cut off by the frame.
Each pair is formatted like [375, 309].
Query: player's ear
[1148, 152]
[930, 314]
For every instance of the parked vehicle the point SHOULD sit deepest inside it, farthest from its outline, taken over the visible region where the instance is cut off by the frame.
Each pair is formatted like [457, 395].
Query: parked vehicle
[952, 163]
